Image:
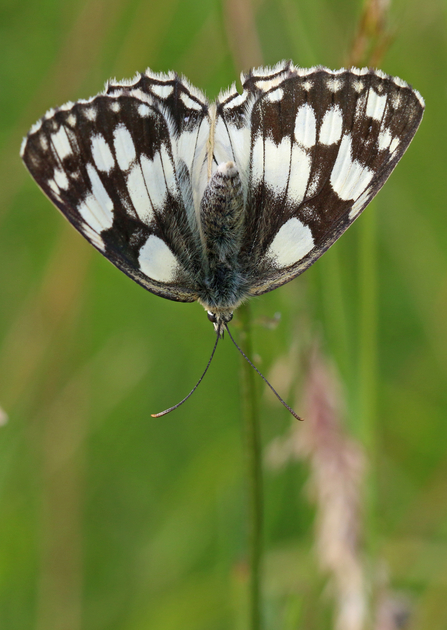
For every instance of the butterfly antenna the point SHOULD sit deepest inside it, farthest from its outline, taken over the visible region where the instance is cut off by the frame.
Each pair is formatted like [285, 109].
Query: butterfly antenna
[163, 413]
[283, 402]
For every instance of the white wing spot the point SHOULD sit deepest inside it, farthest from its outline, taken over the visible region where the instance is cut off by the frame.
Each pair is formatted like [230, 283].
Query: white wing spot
[305, 126]
[71, 119]
[97, 208]
[384, 139]
[376, 105]
[361, 202]
[267, 84]
[61, 143]
[334, 85]
[394, 144]
[349, 178]
[93, 237]
[115, 106]
[275, 95]
[163, 91]
[189, 102]
[396, 100]
[293, 241]
[94, 214]
[136, 186]
[56, 190]
[102, 154]
[299, 174]
[238, 100]
[43, 142]
[308, 85]
[155, 180]
[157, 261]
[358, 85]
[257, 160]
[240, 143]
[61, 179]
[332, 126]
[314, 184]
[124, 147]
[276, 166]
[144, 110]
[90, 113]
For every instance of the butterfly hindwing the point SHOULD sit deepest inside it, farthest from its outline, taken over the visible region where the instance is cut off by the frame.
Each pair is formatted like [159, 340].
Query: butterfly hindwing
[120, 166]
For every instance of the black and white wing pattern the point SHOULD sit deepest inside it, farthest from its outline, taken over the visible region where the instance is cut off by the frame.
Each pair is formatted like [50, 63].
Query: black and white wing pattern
[313, 147]
[217, 202]
[123, 167]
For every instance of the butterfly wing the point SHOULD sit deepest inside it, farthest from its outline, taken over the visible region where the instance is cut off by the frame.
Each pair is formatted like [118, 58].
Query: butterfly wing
[122, 167]
[321, 146]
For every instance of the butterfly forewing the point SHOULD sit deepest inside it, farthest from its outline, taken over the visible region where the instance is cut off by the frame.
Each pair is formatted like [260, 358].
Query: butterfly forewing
[120, 168]
[322, 144]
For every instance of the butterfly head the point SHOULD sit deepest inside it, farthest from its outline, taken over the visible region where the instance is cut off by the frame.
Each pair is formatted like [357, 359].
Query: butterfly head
[219, 320]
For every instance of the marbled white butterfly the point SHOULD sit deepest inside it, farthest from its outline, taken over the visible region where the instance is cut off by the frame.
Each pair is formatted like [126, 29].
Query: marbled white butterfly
[217, 202]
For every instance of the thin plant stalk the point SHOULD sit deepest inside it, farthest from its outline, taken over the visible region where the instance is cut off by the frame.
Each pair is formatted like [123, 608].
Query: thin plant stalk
[367, 386]
[250, 413]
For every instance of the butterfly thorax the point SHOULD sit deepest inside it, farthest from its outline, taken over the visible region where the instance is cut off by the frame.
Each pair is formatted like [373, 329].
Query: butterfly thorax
[221, 221]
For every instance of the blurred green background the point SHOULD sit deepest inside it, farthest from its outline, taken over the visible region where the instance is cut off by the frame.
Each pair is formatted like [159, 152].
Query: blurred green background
[110, 519]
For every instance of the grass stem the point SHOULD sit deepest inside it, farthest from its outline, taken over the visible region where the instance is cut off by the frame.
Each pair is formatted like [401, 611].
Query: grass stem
[250, 413]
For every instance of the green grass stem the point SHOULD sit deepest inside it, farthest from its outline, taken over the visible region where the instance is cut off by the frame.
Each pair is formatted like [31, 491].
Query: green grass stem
[250, 413]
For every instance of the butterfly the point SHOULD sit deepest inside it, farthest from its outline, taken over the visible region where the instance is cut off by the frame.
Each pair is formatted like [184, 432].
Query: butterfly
[218, 202]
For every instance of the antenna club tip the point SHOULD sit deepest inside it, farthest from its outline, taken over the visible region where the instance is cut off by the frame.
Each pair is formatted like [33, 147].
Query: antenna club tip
[159, 415]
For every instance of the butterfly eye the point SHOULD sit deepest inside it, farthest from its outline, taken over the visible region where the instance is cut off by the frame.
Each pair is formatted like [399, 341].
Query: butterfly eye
[230, 317]
[211, 317]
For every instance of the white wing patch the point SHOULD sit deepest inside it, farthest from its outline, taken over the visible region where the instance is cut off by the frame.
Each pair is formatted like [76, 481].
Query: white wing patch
[137, 188]
[300, 168]
[384, 139]
[124, 147]
[155, 180]
[349, 177]
[191, 149]
[61, 143]
[163, 91]
[376, 105]
[240, 145]
[97, 207]
[189, 102]
[60, 179]
[95, 215]
[359, 204]
[257, 160]
[276, 164]
[93, 237]
[144, 110]
[305, 126]
[332, 125]
[293, 241]
[157, 261]
[102, 154]
[276, 95]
